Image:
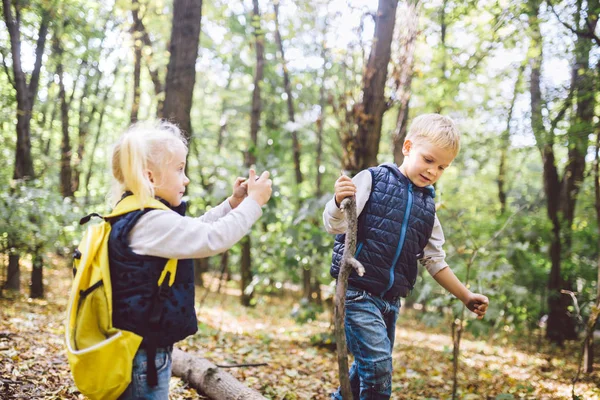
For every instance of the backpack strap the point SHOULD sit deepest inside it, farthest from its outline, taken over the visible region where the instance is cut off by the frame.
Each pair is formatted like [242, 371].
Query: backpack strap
[167, 277]
[154, 323]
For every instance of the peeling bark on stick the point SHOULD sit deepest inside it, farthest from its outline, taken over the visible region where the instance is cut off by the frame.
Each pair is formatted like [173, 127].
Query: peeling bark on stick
[209, 379]
[347, 263]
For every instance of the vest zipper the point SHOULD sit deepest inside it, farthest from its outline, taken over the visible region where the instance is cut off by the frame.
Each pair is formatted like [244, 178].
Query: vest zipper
[360, 245]
[402, 238]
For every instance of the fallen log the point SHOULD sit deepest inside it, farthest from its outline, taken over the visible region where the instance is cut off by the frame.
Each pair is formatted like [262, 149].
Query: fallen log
[210, 380]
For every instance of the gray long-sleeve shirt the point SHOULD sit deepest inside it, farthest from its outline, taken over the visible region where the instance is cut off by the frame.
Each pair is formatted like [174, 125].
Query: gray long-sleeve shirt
[434, 257]
[164, 233]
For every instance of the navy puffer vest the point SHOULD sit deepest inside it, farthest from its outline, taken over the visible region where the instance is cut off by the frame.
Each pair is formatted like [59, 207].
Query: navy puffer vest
[393, 229]
[134, 280]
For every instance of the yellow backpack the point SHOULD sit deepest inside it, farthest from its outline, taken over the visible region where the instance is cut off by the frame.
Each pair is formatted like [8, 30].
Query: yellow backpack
[100, 355]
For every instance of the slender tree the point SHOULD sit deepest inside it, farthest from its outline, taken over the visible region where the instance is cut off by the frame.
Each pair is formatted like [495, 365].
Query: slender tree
[26, 94]
[137, 57]
[561, 192]
[360, 149]
[403, 73]
[181, 71]
[306, 271]
[290, 99]
[505, 142]
[246, 265]
[66, 174]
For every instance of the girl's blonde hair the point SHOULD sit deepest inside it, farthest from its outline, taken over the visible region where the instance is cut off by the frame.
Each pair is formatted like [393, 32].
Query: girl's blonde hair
[143, 147]
[436, 129]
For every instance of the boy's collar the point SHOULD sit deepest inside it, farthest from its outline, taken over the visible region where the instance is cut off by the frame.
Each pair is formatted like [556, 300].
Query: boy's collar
[402, 178]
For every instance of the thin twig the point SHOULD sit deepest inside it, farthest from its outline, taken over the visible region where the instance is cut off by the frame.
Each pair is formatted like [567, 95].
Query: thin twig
[241, 365]
[588, 34]
[10, 80]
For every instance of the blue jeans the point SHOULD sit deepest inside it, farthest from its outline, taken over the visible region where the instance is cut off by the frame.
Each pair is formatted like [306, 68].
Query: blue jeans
[370, 331]
[138, 388]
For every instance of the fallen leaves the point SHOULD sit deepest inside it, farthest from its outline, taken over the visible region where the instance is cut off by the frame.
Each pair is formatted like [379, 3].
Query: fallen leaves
[33, 363]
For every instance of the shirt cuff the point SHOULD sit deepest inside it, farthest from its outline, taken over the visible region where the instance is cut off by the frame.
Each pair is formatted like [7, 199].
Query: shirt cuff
[435, 267]
[250, 206]
[333, 210]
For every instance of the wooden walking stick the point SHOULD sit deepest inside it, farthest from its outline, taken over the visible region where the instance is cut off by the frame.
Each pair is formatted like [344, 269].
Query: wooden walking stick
[346, 264]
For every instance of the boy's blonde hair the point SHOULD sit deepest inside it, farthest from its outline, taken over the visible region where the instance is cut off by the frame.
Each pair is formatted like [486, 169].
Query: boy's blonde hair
[144, 146]
[436, 129]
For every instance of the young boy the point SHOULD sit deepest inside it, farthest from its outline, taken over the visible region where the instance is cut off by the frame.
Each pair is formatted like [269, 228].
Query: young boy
[397, 225]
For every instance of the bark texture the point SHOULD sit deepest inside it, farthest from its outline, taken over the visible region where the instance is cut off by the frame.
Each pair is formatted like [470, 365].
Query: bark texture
[181, 71]
[208, 379]
[259, 37]
[403, 73]
[561, 192]
[360, 150]
[26, 93]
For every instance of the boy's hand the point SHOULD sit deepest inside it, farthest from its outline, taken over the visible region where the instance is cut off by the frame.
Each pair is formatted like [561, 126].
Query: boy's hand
[240, 191]
[344, 187]
[477, 303]
[259, 188]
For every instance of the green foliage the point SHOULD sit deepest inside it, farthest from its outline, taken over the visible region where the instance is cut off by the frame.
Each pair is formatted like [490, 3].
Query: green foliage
[34, 219]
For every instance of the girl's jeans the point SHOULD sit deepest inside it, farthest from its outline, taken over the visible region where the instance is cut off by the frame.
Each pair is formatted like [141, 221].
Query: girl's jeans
[138, 388]
[370, 329]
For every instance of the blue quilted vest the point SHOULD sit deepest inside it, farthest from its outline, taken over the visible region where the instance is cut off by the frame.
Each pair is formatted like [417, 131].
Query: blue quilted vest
[134, 280]
[393, 229]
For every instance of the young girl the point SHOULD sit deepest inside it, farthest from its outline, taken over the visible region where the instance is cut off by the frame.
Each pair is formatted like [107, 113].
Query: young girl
[149, 162]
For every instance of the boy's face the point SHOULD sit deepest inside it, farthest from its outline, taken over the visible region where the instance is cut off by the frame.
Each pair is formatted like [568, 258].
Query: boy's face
[424, 163]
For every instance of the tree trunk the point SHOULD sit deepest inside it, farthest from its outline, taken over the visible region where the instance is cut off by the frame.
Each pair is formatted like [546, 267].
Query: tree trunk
[559, 324]
[83, 128]
[208, 379]
[201, 265]
[223, 120]
[439, 101]
[102, 105]
[505, 143]
[306, 272]
[137, 56]
[13, 277]
[246, 273]
[37, 276]
[26, 94]
[181, 71]
[589, 346]
[290, 99]
[561, 194]
[403, 74]
[154, 76]
[246, 265]
[66, 174]
[369, 113]
[320, 123]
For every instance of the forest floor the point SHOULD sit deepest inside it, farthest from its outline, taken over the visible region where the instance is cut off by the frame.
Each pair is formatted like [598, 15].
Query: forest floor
[33, 364]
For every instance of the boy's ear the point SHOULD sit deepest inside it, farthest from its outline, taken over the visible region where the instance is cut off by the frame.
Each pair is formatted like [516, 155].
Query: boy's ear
[406, 147]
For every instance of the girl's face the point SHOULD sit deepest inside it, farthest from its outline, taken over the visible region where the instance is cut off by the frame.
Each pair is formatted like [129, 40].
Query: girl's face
[169, 178]
[424, 163]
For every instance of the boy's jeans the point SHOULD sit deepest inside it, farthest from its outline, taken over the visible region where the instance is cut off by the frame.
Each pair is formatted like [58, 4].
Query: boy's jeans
[370, 330]
[138, 388]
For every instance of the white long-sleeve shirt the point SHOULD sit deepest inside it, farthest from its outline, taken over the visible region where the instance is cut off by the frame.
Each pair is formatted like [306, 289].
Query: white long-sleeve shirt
[434, 257]
[165, 233]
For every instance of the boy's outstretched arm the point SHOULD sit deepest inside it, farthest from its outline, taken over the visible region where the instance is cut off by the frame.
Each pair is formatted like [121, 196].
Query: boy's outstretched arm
[475, 302]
